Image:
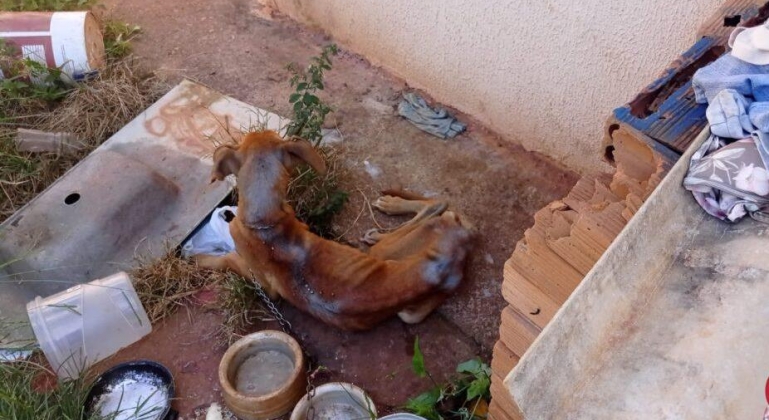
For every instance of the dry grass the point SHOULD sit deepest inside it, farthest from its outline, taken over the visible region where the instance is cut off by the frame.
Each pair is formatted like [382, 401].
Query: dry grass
[316, 199]
[164, 285]
[93, 110]
[169, 283]
[242, 307]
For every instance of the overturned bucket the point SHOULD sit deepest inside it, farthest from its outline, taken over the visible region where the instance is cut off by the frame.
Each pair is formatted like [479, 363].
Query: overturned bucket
[70, 41]
[87, 323]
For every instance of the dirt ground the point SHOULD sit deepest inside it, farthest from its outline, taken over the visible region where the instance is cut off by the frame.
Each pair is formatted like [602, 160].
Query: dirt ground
[237, 48]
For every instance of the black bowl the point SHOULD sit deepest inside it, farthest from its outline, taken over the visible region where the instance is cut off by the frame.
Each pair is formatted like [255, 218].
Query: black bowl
[144, 372]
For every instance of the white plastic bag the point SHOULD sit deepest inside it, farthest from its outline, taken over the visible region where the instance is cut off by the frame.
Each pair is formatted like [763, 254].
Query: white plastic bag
[214, 237]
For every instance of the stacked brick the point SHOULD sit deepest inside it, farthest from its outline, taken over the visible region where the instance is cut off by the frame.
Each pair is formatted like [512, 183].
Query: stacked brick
[566, 240]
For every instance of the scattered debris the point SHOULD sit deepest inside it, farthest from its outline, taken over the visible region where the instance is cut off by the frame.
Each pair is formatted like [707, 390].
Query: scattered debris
[376, 107]
[437, 122]
[214, 412]
[36, 141]
[372, 169]
[10, 355]
[331, 136]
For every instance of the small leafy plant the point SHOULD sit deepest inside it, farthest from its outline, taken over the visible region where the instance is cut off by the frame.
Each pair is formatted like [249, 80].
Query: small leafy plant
[28, 81]
[464, 398]
[316, 198]
[118, 37]
[44, 5]
[309, 111]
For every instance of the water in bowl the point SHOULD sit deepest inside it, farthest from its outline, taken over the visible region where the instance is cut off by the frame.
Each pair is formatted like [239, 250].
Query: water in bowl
[263, 373]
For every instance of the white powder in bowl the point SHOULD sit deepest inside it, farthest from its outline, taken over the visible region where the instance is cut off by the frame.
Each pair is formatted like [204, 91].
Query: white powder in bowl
[133, 400]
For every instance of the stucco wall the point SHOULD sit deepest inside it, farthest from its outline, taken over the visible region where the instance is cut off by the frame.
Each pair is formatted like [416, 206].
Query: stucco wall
[544, 73]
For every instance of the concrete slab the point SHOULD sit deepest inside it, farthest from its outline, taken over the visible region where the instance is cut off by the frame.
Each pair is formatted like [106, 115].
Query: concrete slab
[670, 323]
[139, 194]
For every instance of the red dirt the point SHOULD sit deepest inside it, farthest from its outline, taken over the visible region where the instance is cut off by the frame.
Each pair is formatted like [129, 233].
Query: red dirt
[227, 45]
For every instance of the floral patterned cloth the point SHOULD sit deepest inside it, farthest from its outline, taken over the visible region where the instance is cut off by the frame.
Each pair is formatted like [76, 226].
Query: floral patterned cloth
[729, 180]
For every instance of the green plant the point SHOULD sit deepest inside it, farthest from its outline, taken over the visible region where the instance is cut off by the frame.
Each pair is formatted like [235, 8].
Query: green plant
[309, 112]
[316, 198]
[463, 398]
[45, 5]
[30, 83]
[29, 391]
[118, 37]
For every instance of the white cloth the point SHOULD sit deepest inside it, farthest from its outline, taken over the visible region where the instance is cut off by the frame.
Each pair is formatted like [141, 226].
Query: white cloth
[214, 237]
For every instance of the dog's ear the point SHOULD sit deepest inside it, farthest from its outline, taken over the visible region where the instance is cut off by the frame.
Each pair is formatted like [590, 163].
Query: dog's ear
[226, 161]
[304, 151]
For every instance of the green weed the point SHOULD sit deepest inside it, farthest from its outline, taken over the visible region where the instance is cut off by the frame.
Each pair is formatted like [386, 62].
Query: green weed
[309, 112]
[45, 5]
[30, 392]
[463, 398]
[315, 198]
[118, 37]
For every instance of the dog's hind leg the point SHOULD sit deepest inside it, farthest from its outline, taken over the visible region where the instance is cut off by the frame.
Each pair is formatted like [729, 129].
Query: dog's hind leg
[415, 314]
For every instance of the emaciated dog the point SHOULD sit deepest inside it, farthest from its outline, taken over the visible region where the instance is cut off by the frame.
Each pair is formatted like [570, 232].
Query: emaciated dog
[408, 272]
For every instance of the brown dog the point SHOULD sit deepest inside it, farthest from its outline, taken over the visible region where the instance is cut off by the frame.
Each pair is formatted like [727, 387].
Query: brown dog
[408, 272]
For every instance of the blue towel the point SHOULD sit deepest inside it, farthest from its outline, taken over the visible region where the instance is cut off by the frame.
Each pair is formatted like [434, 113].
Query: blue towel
[729, 72]
[737, 94]
[728, 115]
[434, 121]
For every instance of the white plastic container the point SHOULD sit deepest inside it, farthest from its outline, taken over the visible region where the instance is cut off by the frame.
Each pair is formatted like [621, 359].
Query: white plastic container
[87, 323]
[402, 416]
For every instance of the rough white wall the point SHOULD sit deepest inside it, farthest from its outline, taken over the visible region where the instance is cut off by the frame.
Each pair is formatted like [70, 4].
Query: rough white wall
[545, 73]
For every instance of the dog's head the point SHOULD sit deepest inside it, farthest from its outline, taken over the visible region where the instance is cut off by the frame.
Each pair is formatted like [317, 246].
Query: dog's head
[265, 155]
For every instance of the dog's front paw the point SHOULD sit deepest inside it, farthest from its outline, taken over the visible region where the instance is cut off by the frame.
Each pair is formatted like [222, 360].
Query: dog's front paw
[371, 237]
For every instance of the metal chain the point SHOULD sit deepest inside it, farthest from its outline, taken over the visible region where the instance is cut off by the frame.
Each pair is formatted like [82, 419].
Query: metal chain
[288, 329]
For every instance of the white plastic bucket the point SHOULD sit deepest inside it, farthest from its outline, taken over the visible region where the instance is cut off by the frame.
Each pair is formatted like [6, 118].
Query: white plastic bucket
[87, 323]
[71, 41]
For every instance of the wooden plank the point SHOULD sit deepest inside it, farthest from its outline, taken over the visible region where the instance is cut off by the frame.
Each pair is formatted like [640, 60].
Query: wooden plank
[517, 332]
[526, 298]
